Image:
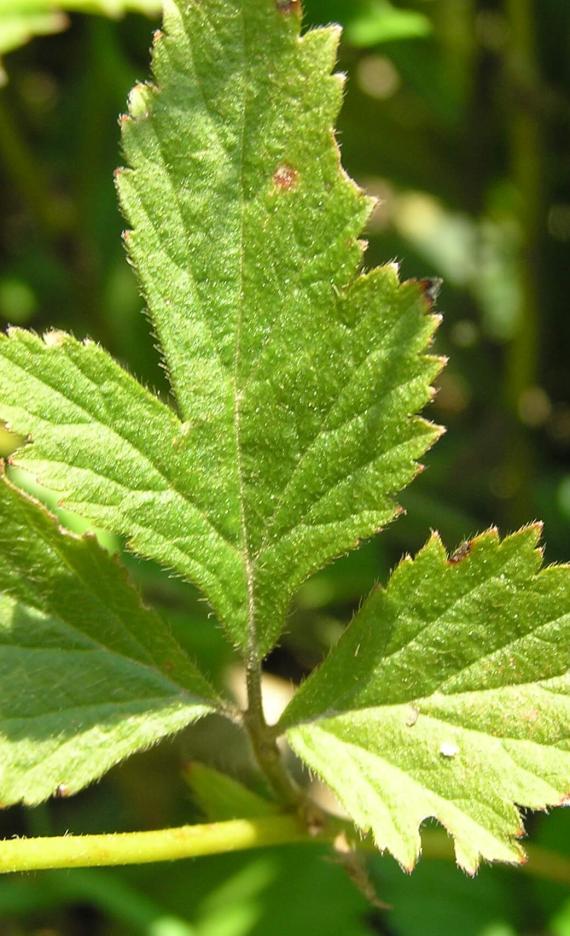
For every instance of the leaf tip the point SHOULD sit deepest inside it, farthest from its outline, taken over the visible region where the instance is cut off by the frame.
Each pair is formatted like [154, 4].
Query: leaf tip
[138, 101]
[536, 529]
[430, 288]
[287, 7]
[461, 553]
[54, 338]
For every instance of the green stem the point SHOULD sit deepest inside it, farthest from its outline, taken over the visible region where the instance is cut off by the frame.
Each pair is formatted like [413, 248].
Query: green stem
[85, 851]
[264, 744]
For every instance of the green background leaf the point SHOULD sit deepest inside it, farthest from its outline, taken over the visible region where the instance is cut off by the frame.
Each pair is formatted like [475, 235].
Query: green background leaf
[379, 21]
[21, 20]
[87, 674]
[448, 697]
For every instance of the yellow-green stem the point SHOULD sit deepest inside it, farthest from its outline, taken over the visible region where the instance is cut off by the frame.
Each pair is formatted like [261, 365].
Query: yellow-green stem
[83, 851]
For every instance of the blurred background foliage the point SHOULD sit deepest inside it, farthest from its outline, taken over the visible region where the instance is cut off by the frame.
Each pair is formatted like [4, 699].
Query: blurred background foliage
[457, 118]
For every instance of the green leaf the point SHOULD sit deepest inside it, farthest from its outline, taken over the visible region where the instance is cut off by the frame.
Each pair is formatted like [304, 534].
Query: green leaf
[379, 21]
[296, 376]
[221, 797]
[448, 697]
[21, 20]
[18, 26]
[88, 675]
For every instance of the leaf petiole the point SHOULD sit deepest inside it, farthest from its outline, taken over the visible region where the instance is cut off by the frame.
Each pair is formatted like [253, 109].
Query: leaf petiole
[264, 744]
[82, 851]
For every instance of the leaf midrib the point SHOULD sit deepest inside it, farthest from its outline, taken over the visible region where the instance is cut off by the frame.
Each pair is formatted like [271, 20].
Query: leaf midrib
[252, 652]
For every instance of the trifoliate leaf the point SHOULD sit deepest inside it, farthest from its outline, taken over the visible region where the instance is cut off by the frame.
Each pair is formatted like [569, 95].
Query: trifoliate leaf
[296, 377]
[448, 697]
[87, 674]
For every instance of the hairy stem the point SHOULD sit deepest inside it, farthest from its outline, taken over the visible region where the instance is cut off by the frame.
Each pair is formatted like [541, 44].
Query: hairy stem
[125, 848]
[264, 745]
[68, 851]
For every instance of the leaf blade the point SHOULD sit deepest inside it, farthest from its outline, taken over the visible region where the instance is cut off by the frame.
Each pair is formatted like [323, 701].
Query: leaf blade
[268, 204]
[456, 703]
[89, 675]
[297, 377]
[119, 457]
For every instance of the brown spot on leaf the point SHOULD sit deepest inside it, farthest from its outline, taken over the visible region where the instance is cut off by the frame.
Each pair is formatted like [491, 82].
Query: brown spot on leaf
[288, 6]
[460, 553]
[430, 287]
[285, 177]
[62, 791]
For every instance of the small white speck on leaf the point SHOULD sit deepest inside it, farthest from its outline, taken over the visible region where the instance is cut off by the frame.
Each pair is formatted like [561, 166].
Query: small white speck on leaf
[449, 749]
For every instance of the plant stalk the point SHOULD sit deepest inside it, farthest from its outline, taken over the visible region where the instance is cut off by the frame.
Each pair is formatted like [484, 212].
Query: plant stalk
[264, 744]
[83, 851]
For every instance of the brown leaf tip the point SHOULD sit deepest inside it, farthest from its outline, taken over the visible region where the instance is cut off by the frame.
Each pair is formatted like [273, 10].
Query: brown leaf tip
[288, 6]
[460, 553]
[430, 288]
[285, 177]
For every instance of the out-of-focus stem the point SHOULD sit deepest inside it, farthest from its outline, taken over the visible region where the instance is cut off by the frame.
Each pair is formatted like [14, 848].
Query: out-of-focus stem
[28, 177]
[542, 863]
[526, 157]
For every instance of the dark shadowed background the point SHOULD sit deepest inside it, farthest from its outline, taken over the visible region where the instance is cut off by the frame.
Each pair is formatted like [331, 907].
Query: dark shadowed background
[457, 118]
